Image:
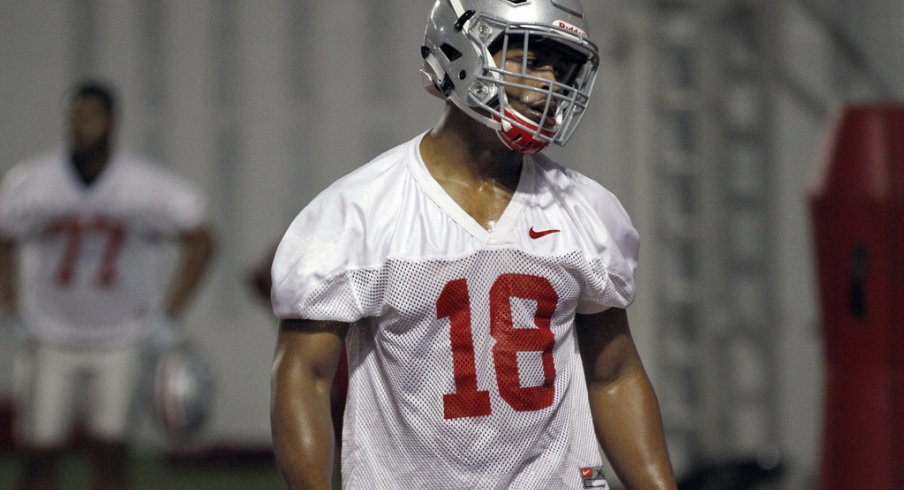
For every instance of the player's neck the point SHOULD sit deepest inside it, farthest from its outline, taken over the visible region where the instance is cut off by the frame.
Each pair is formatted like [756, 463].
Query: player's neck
[474, 168]
[90, 164]
[462, 149]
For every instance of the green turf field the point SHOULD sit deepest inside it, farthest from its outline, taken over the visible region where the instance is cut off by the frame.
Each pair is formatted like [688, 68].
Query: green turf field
[149, 471]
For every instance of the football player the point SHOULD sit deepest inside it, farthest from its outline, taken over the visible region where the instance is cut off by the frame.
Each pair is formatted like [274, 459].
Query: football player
[479, 286]
[88, 229]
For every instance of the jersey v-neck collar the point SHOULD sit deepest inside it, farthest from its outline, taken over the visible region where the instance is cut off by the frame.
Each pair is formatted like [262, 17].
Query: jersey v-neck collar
[442, 199]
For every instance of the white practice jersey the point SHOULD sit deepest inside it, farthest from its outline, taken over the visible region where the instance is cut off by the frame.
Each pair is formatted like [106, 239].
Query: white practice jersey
[464, 367]
[93, 258]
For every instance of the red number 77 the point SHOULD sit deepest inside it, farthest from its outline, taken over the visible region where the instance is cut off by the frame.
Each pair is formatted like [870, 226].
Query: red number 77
[454, 303]
[74, 230]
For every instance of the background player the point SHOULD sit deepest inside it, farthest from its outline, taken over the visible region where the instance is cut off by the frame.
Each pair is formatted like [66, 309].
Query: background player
[479, 286]
[90, 226]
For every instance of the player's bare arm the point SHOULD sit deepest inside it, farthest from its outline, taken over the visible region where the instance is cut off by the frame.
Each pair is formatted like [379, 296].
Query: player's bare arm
[307, 353]
[625, 410]
[9, 297]
[8, 290]
[196, 249]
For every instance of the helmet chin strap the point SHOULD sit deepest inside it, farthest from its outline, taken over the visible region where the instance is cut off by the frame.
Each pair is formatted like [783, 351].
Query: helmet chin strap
[524, 141]
[527, 146]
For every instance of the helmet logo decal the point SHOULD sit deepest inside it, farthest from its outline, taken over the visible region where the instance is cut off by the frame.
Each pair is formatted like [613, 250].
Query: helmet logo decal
[565, 26]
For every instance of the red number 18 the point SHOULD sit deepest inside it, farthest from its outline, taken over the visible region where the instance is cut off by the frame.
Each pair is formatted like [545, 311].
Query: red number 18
[454, 303]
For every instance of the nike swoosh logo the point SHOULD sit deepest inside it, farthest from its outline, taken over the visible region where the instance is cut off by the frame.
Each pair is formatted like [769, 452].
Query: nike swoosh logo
[540, 234]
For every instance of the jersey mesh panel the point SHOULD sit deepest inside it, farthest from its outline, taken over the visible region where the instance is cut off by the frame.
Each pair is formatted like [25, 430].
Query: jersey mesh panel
[397, 434]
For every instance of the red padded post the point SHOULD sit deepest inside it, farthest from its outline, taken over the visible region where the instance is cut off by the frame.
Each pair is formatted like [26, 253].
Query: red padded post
[857, 211]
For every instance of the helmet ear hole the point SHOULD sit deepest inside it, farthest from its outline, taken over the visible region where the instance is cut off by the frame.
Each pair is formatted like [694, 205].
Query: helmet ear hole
[450, 51]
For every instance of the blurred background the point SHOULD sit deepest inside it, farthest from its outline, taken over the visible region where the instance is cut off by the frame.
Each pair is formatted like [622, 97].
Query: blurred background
[709, 120]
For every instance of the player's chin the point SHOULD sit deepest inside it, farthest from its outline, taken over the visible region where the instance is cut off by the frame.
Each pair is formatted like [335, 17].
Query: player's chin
[85, 148]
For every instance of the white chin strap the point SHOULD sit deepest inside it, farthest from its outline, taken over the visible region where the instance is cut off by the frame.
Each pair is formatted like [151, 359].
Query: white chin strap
[457, 8]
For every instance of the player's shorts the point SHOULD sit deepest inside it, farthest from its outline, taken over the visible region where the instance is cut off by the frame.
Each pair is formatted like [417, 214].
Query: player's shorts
[57, 384]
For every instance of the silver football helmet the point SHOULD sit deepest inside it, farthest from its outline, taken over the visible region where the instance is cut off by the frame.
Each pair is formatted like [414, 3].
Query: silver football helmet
[178, 387]
[460, 42]
[183, 389]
